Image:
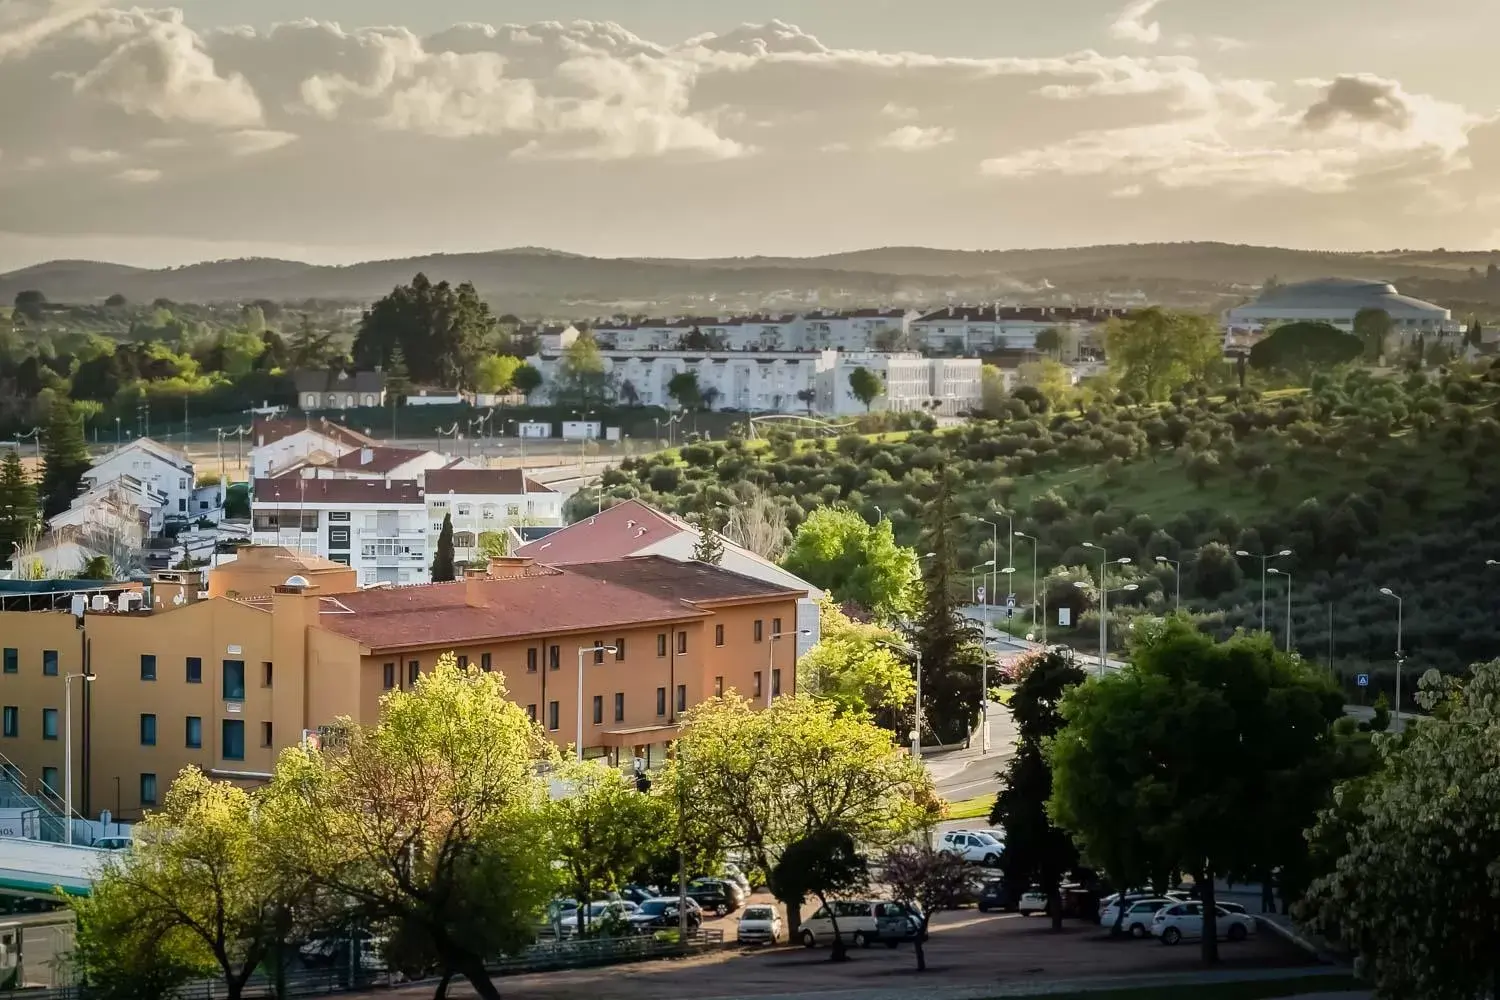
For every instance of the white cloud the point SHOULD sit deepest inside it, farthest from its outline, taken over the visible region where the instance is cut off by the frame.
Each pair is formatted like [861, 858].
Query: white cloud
[139, 175]
[915, 139]
[84, 156]
[1130, 24]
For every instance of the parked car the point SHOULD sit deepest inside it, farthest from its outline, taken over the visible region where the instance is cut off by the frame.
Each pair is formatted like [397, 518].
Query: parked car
[733, 874]
[1138, 915]
[859, 921]
[977, 848]
[601, 909]
[661, 914]
[995, 895]
[1033, 900]
[717, 895]
[637, 893]
[760, 924]
[1135, 896]
[1184, 921]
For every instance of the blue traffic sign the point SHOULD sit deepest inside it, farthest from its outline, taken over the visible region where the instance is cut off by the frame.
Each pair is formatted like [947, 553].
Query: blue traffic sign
[1362, 680]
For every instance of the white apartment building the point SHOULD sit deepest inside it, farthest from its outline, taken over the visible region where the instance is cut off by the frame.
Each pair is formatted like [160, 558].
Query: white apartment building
[970, 329]
[736, 333]
[486, 500]
[940, 386]
[279, 444]
[755, 381]
[854, 330]
[165, 470]
[377, 526]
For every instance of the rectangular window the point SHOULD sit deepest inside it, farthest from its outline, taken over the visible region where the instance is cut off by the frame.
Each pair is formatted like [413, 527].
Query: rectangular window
[718, 635]
[265, 734]
[775, 627]
[484, 662]
[619, 706]
[234, 680]
[682, 642]
[598, 651]
[758, 690]
[49, 662]
[719, 687]
[413, 671]
[598, 709]
[531, 659]
[661, 701]
[148, 667]
[531, 712]
[619, 649]
[49, 779]
[12, 660]
[661, 644]
[759, 630]
[12, 720]
[682, 697]
[267, 672]
[234, 739]
[776, 683]
[49, 723]
[194, 739]
[148, 730]
[554, 657]
[388, 676]
[552, 716]
[194, 670]
[463, 662]
[148, 789]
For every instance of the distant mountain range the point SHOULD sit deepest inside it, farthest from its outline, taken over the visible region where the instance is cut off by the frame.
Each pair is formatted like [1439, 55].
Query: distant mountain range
[535, 279]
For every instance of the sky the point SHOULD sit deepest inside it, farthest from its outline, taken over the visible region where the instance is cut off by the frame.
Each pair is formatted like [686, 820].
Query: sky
[341, 130]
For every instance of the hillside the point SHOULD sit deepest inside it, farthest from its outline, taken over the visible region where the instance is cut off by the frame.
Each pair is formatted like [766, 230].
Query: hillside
[1201, 275]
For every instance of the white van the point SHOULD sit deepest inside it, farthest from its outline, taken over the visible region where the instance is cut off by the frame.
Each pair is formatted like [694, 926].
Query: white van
[858, 919]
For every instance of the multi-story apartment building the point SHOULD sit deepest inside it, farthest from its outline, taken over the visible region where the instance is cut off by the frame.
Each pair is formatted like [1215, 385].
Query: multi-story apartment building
[376, 526]
[972, 329]
[486, 500]
[856, 329]
[760, 381]
[226, 683]
[735, 333]
[941, 386]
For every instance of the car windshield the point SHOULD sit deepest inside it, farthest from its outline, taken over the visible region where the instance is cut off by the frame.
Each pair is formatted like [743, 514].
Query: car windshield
[757, 913]
[652, 907]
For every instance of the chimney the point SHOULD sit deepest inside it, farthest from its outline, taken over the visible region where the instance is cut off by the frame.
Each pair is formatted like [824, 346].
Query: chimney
[509, 567]
[475, 578]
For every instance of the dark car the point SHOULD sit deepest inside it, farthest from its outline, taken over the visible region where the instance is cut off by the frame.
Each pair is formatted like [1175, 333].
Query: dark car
[717, 895]
[636, 893]
[661, 914]
[996, 896]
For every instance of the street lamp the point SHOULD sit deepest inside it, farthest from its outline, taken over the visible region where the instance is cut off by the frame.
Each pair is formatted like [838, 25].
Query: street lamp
[1176, 576]
[975, 569]
[1264, 560]
[1035, 590]
[1104, 562]
[771, 665]
[1282, 572]
[916, 724]
[1103, 627]
[581, 651]
[1400, 653]
[68, 752]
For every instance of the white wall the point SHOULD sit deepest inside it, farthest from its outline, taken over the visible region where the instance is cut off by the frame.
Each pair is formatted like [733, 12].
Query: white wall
[139, 463]
[278, 455]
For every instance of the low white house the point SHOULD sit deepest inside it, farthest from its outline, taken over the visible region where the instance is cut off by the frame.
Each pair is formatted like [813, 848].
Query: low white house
[165, 470]
[279, 444]
[374, 462]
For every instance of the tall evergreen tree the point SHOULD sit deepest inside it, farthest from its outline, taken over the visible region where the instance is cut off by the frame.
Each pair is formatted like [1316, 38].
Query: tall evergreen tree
[17, 505]
[710, 547]
[952, 657]
[442, 564]
[65, 456]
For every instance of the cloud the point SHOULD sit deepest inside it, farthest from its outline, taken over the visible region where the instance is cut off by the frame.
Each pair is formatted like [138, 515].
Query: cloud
[139, 175]
[1363, 98]
[1130, 24]
[914, 139]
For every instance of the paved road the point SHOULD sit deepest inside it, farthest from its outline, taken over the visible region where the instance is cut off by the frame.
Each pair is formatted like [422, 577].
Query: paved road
[963, 774]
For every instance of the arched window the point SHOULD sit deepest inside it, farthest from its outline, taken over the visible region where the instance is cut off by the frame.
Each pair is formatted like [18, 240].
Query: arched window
[463, 539]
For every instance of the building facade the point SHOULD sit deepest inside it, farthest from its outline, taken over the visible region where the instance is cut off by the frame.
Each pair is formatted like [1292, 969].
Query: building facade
[759, 381]
[378, 527]
[168, 472]
[910, 383]
[279, 444]
[1337, 301]
[337, 389]
[486, 500]
[963, 330]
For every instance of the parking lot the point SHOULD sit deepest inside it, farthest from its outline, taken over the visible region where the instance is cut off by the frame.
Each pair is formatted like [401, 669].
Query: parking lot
[966, 949]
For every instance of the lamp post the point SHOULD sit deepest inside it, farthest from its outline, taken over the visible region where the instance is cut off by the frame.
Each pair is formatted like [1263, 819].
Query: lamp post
[1282, 572]
[1035, 590]
[581, 651]
[1177, 577]
[916, 725]
[1103, 625]
[1010, 532]
[771, 664]
[984, 702]
[1264, 561]
[988, 563]
[1400, 653]
[879, 514]
[1104, 562]
[68, 753]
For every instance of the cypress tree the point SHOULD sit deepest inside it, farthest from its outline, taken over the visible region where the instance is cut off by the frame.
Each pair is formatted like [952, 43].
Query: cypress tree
[442, 564]
[65, 456]
[710, 547]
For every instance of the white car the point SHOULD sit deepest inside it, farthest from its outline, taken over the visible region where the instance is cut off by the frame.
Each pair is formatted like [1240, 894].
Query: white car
[858, 919]
[1184, 921]
[1135, 896]
[1033, 900]
[1138, 915]
[622, 908]
[976, 848]
[760, 924]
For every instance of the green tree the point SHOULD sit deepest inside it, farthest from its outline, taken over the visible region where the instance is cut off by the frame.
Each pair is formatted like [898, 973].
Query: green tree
[434, 821]
[97, 568]
[854, 667]
[443, 569]
[1234, 726]
[928, 882]
[526, 379]
[837, 550]
[29, 304]
[824, 863]
[65, 456]
[440, 329]
[582, 376]
[493, 545]
[1049, 378]
[1373, 328]
[121, 953]
[198, 889]
[1159, 350]
[496, 373]
[18, 505]
[866, 385]
[397, 376]
[311, 348]
[1216, 570]
[710, 545]
[1303, 349]
[683, 387]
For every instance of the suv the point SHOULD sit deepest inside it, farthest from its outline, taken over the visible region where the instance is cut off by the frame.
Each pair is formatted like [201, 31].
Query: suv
[661, 914]
[718, 895]
[972, 846]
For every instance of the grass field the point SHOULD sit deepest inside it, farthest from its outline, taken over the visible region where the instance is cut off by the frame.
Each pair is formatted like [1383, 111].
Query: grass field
[976, 808]
[1247, 990]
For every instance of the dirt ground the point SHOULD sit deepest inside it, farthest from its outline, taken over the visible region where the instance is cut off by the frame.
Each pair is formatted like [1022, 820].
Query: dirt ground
[967, 949]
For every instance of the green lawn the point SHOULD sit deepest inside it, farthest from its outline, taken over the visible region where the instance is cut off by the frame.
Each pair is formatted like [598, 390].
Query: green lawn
[1260, 989]
[976, 808]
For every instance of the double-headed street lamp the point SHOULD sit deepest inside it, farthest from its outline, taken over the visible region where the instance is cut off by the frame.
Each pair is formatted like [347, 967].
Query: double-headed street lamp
[1035, 590]
[1176, 576]
[1264, 561]
[1282, 572]
[1104, 563]
[1103, 622]
[597, 650]
[987, 564]
[1400, 653]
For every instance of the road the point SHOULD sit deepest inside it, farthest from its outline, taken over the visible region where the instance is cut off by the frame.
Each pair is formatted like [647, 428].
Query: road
[964, 774]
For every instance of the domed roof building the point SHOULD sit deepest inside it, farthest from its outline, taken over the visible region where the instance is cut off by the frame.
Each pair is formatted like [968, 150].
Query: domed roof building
[1338, 301]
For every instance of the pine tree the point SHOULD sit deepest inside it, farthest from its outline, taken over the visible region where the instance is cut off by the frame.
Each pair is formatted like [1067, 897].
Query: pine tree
[65, 457]
[397, 379]
[710, 547]
[17, 505]
[442, 564]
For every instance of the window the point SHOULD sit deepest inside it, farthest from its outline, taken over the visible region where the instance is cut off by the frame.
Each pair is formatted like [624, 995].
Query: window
[619, 706]
[775, 627]
[194, 670]
[661, 701]
[718, 635]
[49, 723]
[620, 649]
[682, 697]
[531, 660]
[719, 687]
[760, 629]
[338, 515]
[267, 670]
[49, 662]
[598, 651]
[388, 680]
[598, 709]
[661, 644]
[682, 642]
[531, 712]
[49, 779]
[776, 683]
[465, 510]
[148, 667]
[194, 739]
[234, 680]
[234, 739]
[554, 657]
[12, 660]
[758, 690]
[148, 789]
[552, 716]
[413, 671]
[484, 662]
[12, 721]
[265, 734]
[463, 661]
[148, 730]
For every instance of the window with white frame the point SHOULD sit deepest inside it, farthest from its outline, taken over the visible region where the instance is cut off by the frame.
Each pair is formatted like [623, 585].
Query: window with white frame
[489, 511]
[465, 509]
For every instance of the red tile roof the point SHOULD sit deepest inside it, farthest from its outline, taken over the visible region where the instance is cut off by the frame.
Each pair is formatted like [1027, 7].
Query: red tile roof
[621, 530]
[480, 482]
[294, 490]
[688, 581]
[382, 460]
[265, 432]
